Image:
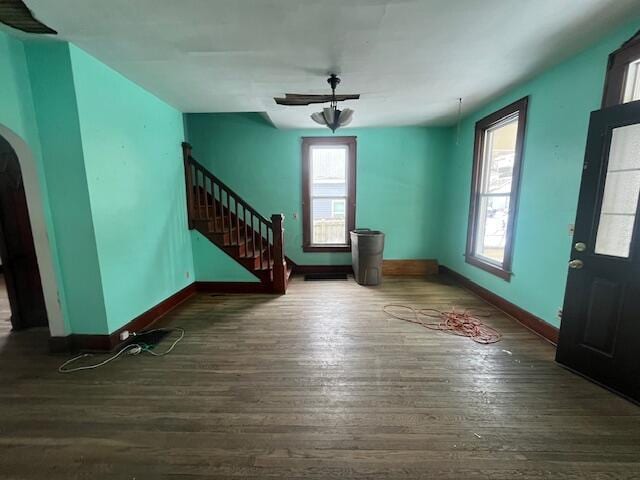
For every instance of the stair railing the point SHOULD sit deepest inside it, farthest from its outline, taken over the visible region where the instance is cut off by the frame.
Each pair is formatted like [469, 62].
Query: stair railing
[210, 199]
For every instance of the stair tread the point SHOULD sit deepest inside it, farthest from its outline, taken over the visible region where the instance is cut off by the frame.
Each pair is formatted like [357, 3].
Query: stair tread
[255, 255]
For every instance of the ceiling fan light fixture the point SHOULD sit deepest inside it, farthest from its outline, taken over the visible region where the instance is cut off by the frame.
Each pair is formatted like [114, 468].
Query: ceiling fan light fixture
[345, 117]
[333, 118]
[330, 115]
[318, 117]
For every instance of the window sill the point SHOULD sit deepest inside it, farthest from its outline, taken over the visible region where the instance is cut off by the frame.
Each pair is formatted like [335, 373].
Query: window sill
[488, 267]
[326, 248]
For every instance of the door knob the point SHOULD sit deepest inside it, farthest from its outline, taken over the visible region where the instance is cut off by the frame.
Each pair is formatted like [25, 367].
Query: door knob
[576, 264]
[580, 246]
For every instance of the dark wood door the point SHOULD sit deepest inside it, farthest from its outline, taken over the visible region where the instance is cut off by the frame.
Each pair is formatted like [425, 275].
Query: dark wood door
[600, 331]
[17, 250]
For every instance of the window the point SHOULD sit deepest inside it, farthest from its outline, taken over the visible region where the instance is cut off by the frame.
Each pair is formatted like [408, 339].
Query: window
[494, 189]
[622, 84]
[328, 193]
[632, 83]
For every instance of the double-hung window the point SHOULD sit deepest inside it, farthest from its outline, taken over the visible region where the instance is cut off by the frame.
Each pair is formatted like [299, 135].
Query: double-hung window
[494, 189]
[622, 84]
[328, 192]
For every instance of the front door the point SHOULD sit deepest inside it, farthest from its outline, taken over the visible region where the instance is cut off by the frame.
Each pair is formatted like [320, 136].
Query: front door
[600, 331]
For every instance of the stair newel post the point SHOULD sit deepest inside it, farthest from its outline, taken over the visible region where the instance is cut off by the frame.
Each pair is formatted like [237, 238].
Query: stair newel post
[269, 240]
[261, 254]
[279, 264]
[186, 155]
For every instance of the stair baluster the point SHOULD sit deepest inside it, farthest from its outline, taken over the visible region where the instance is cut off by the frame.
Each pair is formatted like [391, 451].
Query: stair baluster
[222, 216]
[279, 264]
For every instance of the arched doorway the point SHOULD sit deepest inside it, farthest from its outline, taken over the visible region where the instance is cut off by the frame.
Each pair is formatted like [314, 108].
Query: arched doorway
[17, 250]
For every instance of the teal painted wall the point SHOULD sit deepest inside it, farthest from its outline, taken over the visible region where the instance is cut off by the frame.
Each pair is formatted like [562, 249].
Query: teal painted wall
[18, 114]
[56, 110]
[399, 180]
[16, 103]
[134, 173]
[109, 160]
[212, 264]
[561, 100]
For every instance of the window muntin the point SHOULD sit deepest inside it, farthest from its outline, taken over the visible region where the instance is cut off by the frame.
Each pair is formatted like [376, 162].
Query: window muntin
[495, 188]
[328, 192]
[338, 208]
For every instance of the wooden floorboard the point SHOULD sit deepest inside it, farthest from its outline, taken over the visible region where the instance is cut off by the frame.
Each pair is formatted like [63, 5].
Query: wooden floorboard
[316, 384]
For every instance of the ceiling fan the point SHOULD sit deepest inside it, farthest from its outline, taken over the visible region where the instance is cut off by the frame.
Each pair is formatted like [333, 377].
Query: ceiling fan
[17, 15]
[330, 116]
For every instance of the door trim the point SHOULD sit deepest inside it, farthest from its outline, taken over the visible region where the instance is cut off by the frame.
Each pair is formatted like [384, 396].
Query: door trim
[41, 231]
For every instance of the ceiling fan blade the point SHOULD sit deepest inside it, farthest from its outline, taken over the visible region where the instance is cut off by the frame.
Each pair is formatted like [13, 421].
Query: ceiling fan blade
[302, 101]
[17, 15]
[340, 97]
[307, 95]
[308, 99]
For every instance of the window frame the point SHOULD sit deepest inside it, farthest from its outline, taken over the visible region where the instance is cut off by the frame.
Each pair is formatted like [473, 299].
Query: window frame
[350, 207]
[617, 67]
[503, 271]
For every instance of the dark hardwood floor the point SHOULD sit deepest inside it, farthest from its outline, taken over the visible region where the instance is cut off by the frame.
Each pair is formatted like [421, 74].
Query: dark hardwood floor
[317, 384]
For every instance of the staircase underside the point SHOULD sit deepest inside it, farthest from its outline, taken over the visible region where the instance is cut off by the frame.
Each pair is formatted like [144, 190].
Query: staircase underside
[251, 251]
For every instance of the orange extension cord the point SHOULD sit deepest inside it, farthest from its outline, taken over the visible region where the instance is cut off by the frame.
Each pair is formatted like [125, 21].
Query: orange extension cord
[463, 324]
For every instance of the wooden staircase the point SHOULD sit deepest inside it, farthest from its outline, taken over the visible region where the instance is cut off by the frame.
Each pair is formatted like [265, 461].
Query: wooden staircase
[229, 222]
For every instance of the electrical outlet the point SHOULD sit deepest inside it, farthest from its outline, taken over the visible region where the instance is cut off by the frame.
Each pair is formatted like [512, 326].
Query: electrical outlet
[559, 314]
[124, 335]
[295, 215]
[186, 274]
[572, 228]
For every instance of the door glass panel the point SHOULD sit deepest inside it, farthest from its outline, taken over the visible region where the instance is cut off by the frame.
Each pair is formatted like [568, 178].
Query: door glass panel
[616, 238]
[621, 194]
[620, 199]
[625, 148]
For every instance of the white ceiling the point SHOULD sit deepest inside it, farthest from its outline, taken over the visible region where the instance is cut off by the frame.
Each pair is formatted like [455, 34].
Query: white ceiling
[410, 59]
